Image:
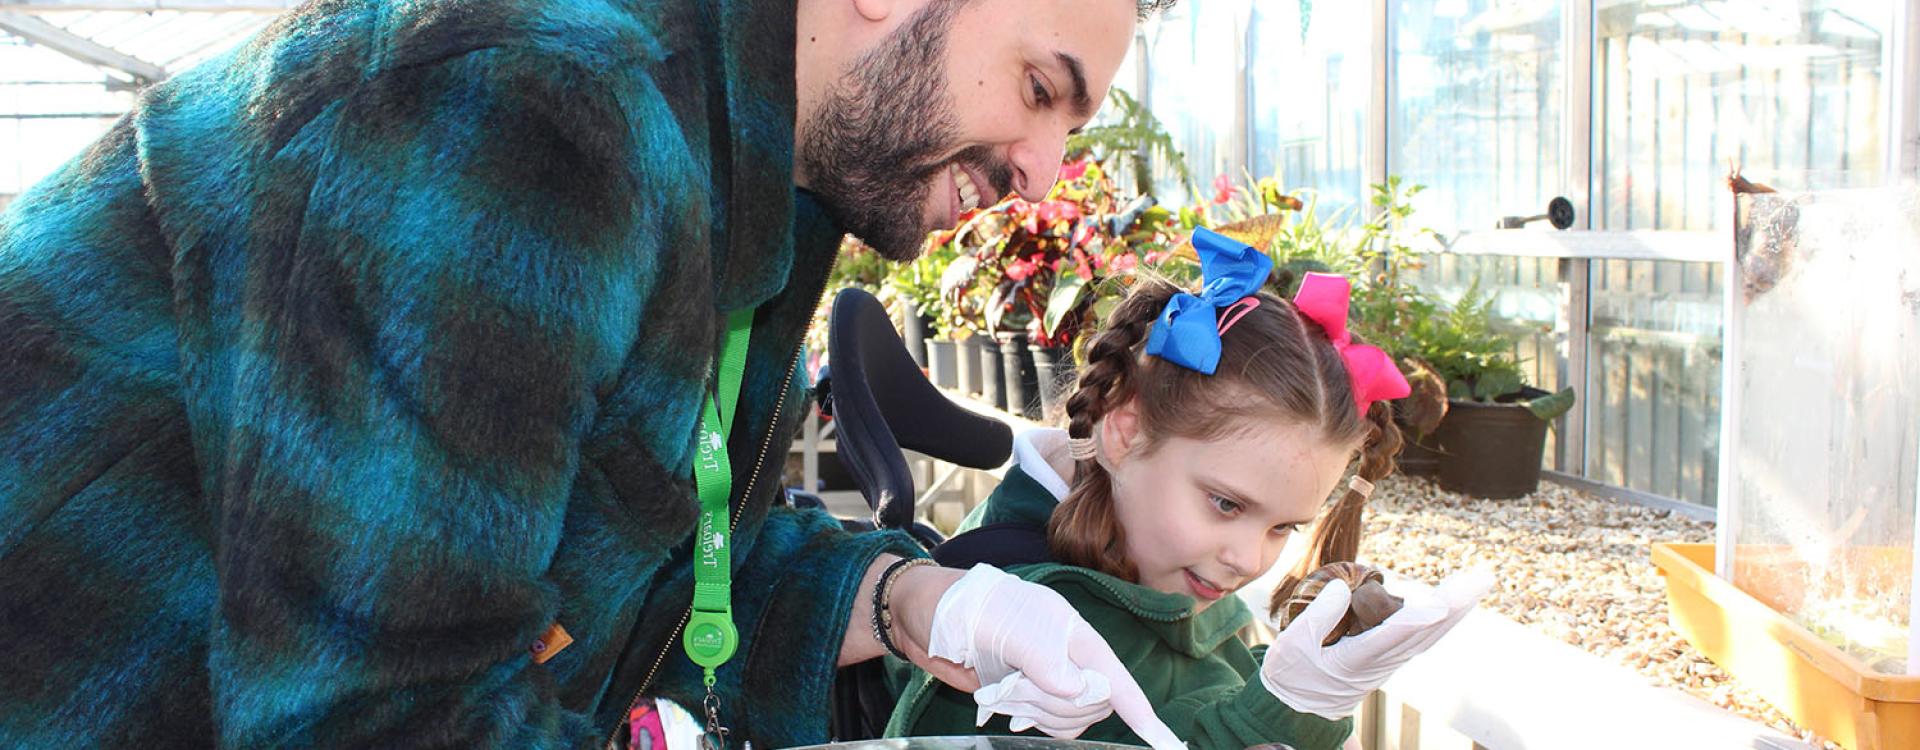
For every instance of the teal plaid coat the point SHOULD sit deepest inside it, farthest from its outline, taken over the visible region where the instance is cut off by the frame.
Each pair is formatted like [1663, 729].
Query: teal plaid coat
[351, 361]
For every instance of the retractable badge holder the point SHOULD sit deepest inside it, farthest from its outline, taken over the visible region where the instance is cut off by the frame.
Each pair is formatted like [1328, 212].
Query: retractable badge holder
[710, 638]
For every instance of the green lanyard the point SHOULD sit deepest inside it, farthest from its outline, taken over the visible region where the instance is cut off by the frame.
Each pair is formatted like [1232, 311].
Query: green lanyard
[710, 637]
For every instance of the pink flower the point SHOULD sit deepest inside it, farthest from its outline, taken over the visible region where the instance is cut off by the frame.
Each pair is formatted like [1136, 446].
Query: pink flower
[1019, 270]
[1082, 233]
[1052, 211]
[1123, 263]
[1223, 189]
[1073, 170]
[1152, 257]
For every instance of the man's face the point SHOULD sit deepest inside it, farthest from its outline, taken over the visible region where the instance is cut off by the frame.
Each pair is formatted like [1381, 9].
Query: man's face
[964, 102]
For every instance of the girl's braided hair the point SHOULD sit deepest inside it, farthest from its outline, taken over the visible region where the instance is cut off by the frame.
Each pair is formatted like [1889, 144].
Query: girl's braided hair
[1275, 363]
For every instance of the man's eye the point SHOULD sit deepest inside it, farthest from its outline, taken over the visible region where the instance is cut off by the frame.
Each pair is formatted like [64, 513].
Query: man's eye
[1225, 506]
[1040, 95]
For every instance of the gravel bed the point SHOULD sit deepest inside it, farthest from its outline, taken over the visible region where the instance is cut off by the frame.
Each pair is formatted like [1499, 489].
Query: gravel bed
[1573, 566]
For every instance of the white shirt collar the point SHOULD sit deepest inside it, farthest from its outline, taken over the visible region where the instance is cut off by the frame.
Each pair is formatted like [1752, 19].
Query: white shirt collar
[1035, 452]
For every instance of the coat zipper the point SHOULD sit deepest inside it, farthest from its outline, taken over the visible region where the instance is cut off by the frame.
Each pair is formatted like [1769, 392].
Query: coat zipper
[1120, 597]
[753, 481]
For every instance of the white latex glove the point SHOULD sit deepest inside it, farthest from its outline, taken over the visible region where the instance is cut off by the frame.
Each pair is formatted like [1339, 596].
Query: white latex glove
[1331, 681]
[1038, 661]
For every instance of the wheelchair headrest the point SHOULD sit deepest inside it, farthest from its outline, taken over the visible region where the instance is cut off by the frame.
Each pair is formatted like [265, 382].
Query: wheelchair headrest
[882, 403]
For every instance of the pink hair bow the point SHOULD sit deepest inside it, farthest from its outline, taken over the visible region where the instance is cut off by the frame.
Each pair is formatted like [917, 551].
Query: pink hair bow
[1324, 297]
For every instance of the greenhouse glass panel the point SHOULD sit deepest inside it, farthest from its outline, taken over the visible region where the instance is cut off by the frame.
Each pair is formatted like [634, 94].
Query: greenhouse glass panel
[1193, 88]
[1792, 91]
[1477, 117]
[51, 107]
[1654, 397]
[1311, 73]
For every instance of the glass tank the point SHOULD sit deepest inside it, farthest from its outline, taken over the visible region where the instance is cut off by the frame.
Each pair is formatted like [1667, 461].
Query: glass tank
[1822, 423]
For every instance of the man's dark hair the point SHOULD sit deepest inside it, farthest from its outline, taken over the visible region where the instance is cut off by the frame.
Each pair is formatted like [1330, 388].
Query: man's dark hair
[1150, 7]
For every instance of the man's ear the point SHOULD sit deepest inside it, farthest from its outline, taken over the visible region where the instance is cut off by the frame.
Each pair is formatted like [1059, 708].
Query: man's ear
[875, 10]
[1120, 433]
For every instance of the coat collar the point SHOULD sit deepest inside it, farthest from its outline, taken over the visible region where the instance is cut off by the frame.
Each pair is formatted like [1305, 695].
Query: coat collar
[756, 160]
[1170, 617]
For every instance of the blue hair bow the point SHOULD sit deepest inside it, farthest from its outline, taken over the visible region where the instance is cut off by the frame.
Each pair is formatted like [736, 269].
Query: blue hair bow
[1188, 331]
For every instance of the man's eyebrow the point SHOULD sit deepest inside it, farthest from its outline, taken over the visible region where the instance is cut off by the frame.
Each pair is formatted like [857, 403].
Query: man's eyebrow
[1082, 104]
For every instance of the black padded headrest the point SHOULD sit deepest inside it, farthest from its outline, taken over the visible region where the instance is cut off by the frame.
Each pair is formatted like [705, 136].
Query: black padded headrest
[882, 403]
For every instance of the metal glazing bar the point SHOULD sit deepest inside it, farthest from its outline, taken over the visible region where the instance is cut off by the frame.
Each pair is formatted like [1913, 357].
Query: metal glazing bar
[1575, 274]
[1240, 143]
[1693, 246]
[65, 116]
[1901, 76]
[80, 48]
[1612, 492]
[197, 6]
[1380, 101]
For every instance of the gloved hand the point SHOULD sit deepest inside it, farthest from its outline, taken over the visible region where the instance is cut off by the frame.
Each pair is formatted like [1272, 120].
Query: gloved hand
[1331, 681]
[1037, 660]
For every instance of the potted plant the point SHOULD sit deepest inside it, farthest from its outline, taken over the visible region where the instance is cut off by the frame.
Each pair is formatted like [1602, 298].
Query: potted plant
[1027, 252]
[916, 285]
[1035, 266]
[1100, 248]
[965, 285]
[1494, 432]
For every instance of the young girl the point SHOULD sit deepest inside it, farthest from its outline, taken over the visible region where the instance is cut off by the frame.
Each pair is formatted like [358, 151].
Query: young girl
[1204, 431]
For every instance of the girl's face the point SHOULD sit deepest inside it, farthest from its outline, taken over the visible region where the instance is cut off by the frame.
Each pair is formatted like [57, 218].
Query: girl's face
[1204, 518]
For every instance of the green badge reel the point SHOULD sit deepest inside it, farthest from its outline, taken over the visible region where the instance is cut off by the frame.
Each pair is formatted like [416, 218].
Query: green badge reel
[710, 638]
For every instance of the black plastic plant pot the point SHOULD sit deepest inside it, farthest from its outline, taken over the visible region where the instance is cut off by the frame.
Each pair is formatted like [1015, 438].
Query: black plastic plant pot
[1053, 368]
[1418, 457]
[967, 364]
[1022, 385]
[1491, 451]
[916, 335]
[992, 378]
[942, 368]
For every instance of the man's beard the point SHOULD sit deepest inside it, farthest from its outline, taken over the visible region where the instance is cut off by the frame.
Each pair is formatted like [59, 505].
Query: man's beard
[882, 133]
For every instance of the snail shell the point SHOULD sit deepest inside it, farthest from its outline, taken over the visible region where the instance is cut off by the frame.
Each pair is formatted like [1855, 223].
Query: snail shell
[1370, 605]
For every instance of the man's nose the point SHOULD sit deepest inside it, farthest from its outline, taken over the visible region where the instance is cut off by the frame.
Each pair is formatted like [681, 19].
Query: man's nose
[1036, 165]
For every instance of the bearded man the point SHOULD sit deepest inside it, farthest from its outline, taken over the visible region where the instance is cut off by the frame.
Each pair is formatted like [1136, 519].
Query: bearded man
[349, 387]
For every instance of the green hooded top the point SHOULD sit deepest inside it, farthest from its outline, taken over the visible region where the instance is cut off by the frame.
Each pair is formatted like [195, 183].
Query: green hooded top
[1200, 676]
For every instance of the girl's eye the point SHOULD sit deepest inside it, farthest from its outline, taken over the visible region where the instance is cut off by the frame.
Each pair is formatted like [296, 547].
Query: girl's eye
[1040, 95]
[1225, 506]
[1285, 529]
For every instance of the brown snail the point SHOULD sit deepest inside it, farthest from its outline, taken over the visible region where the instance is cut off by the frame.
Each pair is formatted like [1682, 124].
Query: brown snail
[1370, 605]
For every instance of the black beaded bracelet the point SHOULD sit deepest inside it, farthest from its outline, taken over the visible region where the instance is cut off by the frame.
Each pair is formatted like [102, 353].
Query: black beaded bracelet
[882, 602]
